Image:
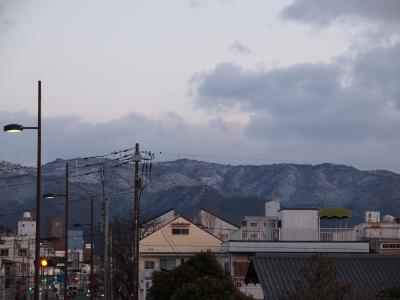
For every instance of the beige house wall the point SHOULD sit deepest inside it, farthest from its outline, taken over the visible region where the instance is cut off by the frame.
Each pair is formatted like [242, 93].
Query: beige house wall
[164, 244]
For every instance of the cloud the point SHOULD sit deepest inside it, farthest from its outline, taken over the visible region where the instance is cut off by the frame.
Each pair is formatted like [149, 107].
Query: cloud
[70, 136]
[240, 48]
[323, 13]
[202, 3]
[5, 23]
[313, 101]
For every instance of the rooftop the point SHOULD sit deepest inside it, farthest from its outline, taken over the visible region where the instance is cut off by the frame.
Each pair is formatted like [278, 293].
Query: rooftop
[368, 274]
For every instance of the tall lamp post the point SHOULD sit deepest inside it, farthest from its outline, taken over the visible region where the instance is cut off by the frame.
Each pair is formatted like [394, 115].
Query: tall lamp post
[52, 196]
[19, 128]
[91, 247]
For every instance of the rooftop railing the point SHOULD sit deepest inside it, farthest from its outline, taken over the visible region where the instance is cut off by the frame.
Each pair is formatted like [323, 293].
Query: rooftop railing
[299, 234]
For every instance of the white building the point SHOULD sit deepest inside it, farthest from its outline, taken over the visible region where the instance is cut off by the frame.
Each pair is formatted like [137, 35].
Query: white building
[383, 236]
[299, 224]
[17, 254]
[283, 230]
[27, 226]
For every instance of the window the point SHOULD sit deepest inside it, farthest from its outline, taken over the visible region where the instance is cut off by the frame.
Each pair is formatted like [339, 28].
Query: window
[22, 252]
[391, 246]
[149, 264]
[244, 223]
[253, 224]
[167, 263]
[4, 252]
[24, 268]
[180, 230]
[253, 236]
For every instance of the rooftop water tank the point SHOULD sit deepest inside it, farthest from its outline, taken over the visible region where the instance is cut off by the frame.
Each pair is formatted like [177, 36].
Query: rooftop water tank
[26, 216]
[389, 219]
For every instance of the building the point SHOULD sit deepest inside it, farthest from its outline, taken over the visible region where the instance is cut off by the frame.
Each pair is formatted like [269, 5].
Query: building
[384, 237]
[286, 230]
[155, 222]
[27, 226]
[17, 252]
[215, 225]
[368, 274]
[55, 230]
[17, 256]
[171, 245]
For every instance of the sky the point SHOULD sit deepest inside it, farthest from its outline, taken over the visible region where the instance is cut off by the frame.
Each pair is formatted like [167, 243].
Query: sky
[228, 81]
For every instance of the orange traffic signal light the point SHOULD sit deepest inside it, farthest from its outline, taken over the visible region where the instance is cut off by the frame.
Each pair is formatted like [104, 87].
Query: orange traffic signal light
[45, 262]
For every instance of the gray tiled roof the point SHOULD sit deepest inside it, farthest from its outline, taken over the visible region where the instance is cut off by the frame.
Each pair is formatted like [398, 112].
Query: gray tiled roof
[368, 274]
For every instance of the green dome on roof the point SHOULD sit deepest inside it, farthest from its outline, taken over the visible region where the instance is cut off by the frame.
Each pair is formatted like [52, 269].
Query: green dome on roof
[334, 212]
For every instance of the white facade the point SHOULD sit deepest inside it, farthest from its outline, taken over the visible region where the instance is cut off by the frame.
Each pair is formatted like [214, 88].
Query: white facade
[26, 226]
[294, 246]
[299, 224]
[272, 208]
[372, 217]
[378, 230]
[16, 261]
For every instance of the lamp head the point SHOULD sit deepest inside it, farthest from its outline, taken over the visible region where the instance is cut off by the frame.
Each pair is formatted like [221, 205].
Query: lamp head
[13, 128]
[49, 196]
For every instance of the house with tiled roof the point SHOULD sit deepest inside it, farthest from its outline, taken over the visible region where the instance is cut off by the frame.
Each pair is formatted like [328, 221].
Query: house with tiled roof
[171, 245]
[368, 274]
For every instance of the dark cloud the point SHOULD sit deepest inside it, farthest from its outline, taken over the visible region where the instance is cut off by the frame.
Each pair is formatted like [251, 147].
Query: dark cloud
[68, 137]
[240, 48]
[324, 12]
[312, 101]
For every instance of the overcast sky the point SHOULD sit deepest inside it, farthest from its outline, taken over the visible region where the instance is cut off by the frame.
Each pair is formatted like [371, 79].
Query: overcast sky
[230, 80]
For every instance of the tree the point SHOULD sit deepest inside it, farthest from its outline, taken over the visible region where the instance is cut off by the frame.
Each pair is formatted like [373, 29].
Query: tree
[390, 293]
[319, 281]
[122, 251]
[200, 278]
[5, 230]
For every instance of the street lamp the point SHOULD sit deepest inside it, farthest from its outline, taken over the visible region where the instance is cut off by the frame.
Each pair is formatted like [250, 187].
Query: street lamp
[53, 196]
[13, 128]
[91, 247]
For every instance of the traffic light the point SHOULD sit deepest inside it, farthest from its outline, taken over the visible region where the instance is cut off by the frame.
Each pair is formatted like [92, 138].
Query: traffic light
[45, 262]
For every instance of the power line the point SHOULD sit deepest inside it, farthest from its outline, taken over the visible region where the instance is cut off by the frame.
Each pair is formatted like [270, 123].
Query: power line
[227, 157]
[71, 201]
[125, 161]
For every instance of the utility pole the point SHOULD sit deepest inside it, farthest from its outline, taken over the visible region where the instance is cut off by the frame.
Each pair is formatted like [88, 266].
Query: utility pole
[66, 234]
[106, 236]
[38, 193]
[91, 250]
[136, 215]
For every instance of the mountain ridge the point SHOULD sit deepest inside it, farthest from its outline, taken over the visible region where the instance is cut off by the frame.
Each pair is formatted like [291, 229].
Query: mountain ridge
[232, 191]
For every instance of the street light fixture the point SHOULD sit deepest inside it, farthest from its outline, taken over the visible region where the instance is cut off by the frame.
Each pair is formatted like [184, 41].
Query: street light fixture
[53, 196]
[13, 128]
[91, 247]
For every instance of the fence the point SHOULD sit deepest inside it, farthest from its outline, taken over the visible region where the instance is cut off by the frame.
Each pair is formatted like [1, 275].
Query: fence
[302, 234]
